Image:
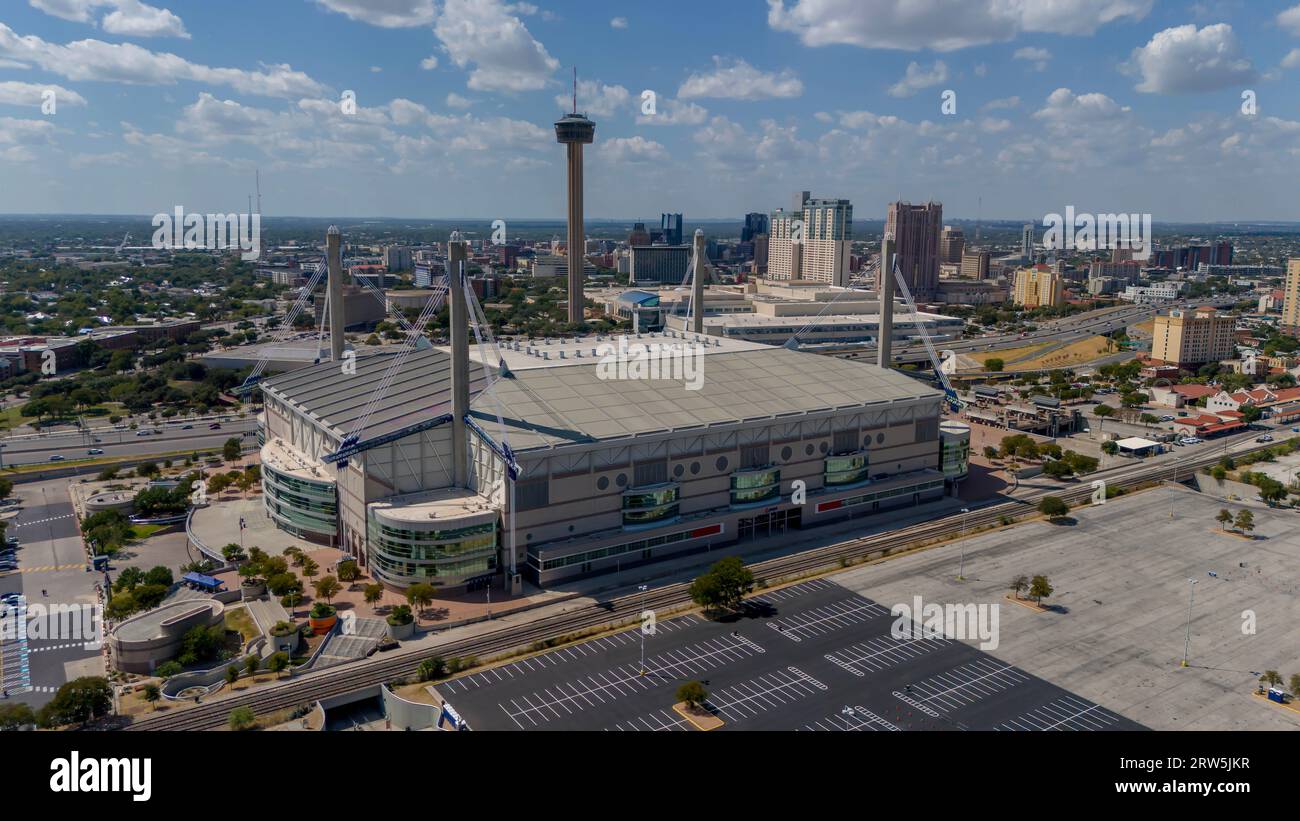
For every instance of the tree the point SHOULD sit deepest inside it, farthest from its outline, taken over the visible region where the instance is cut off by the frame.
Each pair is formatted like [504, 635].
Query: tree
[233, 553]
[1040, 588]
[1245, 521]
[420, 595]
[251, 663]
[6, 487]
[242, 718]
[724, 585]
[1271, 678]
[232, 674]
[16, 715]
[348, 571]
[152, 693]
[78, 701]
[373, 593]
[278, 662]
[990, 452]
[1058, 469]
[1109, 447]
[309, 567]
[283, 584]
[231, 450]
[1224, 518]
[432, 668]
[1295, 684]
[327, 588]
[1053, 507]
[693, 694]
[993, 365]
[1019, 585]
[1103, 411]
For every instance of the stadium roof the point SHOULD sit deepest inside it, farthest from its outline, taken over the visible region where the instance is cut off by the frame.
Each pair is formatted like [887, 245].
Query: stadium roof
[567, 402]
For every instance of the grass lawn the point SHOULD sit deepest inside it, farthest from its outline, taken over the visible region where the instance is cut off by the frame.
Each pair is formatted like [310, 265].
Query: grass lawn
[145, 531]
[1076, 353]
[10, 418]
[240, 621]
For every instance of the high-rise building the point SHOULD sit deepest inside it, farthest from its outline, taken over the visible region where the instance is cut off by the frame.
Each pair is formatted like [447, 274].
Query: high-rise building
[755, 224]
[951, 245]
[574, 131]
[1223, 252]
[811, 242]
[975, 265]
[1027, 242]
[397, 258]
[1038, 287]
[664, 264]
[1191, 338]
[671, 226]
[639, 235]
[1291, 297]
[917, 230]
[761, 245]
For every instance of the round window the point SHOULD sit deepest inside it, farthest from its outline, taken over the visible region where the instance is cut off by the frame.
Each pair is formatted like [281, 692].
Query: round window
[621, 481]
[679, 470]
[880, 438]
[721, 464]
[602, 483]
[695, 468]
[824, 448]
[786, 453]
[808, 450]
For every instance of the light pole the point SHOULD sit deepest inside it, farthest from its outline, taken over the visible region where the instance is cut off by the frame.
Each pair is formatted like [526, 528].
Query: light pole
[1187, 644]
[961, 571]
[641, 626]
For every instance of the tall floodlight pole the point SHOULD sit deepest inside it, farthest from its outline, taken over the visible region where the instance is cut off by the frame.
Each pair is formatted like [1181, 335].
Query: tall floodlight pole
[961, 571]
[1187, 644]
[642, 588]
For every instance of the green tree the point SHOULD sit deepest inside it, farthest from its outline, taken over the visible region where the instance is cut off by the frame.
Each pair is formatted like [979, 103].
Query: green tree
[1109, 447]
[420, 595]
[231, 450]
[1058, 469]
[1224, 518]
[6, 487]
[373, 593]
[348, 571]
[242, 718]
[993, 365]
[16, 715]
[431, 669]
[1295, 684]
[1245, 521]
[232, 674]
[1053, 507]
[1040, 588]
[724, 586]
[77, 702]
[693, 694]
[278, 662]
[327, 588]
[1103, 411]
[1271, 678]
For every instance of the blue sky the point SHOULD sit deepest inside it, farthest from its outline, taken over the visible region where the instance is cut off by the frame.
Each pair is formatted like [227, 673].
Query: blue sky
[1107, 105]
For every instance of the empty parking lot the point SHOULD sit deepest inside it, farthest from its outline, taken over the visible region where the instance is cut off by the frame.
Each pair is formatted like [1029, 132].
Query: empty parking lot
[814, 656]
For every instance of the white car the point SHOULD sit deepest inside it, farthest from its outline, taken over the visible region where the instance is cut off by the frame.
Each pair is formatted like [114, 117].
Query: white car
[1191, 440]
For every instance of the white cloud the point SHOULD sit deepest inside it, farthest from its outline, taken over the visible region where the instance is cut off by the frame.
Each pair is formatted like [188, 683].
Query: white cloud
[129, 63]
[942, 25]
[596, 99]
[739, 80]
[384, 13]
[129, 18]
[1186, 59]
[618, 23]
[454, 100]
[1290, 20]
[503, 53]
[631, 149]
[1038, 56]
[429, 63]
[674, 112]
[30, 94]
[917, 78]
[1292, 59]
[1001, 103]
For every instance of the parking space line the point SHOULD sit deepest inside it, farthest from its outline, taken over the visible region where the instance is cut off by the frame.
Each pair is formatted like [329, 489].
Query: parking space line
[1066, 713]
[964, 685]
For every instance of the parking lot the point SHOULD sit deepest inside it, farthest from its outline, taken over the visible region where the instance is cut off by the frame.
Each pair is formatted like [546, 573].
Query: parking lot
[814, 656]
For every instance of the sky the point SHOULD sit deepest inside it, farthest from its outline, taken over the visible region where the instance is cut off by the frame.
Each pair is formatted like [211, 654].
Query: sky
[1005, 109]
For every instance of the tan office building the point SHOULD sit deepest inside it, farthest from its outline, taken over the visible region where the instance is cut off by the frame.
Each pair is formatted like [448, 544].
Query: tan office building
[1190, 339]
[1038, 287]
[1291, 297]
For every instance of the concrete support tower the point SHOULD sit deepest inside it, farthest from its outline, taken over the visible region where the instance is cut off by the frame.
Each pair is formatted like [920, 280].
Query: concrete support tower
[574, 131]
[457, 254]
[885, 334]
[334, 261]
[697, 283]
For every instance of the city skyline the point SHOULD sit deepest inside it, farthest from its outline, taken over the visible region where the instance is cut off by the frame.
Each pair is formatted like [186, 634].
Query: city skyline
[455, 100]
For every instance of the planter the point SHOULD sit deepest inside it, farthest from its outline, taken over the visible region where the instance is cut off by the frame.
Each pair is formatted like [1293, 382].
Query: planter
[285, 644]
[249, 592]
[399, 632]
[321, 626]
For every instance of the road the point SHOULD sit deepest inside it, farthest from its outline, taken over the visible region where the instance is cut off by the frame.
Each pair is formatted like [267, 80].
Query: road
[1068, 329]
[622, 609]
[70, 445]
[51, 571]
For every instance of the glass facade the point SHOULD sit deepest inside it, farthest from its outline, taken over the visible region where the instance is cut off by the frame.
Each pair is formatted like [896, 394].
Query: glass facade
[955, 457]
[754, 487]
[300, 506]
[842, 471]
[650, 505]
[402, 557]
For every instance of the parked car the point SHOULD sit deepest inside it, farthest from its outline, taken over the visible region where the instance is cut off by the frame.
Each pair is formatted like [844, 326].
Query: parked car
[1264, 438]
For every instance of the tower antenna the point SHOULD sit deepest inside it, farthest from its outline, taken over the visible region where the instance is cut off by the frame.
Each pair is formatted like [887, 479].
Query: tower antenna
[575, 89]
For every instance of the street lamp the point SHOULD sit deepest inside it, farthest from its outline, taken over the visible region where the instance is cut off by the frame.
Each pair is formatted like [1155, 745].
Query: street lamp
[961, 572]
[1191, 592]
[641, 625]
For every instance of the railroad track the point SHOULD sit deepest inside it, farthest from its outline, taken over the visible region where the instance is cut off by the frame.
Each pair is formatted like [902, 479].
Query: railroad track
[310, 687]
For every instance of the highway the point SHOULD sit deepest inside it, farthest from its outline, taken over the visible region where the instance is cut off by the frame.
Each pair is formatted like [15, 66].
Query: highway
[33, 449]
[1068, 329]
[309, 687]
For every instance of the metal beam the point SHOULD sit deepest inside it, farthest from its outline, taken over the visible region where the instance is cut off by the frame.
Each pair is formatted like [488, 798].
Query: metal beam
[350, 449]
